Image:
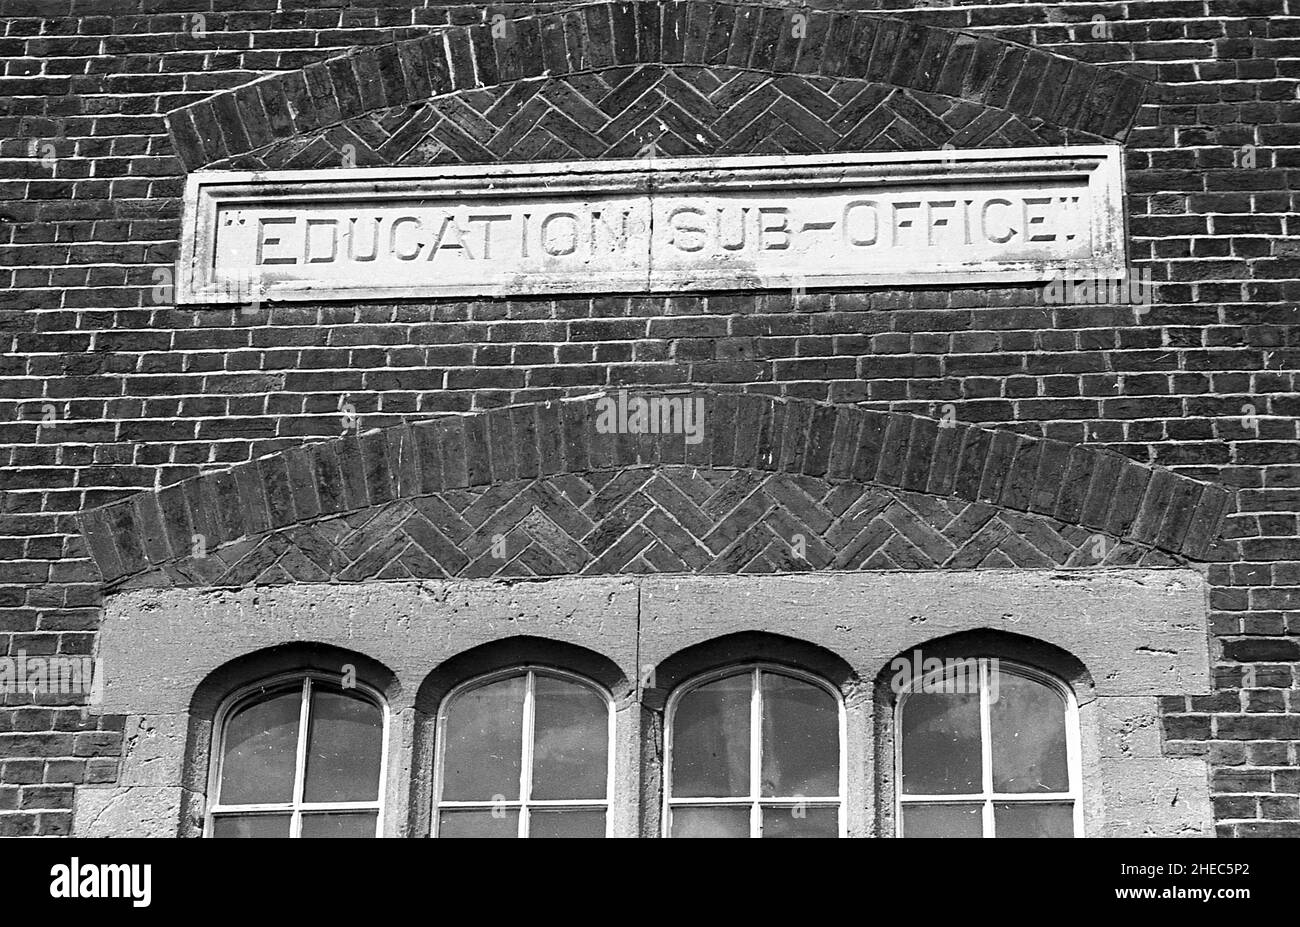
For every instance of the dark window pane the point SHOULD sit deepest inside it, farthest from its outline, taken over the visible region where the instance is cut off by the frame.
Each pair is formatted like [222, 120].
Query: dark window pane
[343, 747]
[941, 744]
[260, 749]
[935, 820]
[250, 825]
[485, 742]
[570, 734]
[696, 821]
[339, 824]
[566, 824]
[801, 737]
[711, 740]
[801, 822]
[1027, 819]
[1027, 724]
[479, 822]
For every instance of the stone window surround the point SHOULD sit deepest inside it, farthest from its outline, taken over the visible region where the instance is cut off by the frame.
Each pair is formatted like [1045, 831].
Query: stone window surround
[170, 656]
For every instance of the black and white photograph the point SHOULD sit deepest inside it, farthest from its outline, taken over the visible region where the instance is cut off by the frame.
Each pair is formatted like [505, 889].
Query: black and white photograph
[655, 419]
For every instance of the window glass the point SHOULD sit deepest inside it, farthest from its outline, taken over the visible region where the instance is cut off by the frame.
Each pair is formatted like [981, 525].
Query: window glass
[754, 752]
[943, 820]
[343, 748]
[942, 733]
[483, 734]
[570, 749]
[251, 825]
[800, 738]
[800, 822]
[1027, 728]
[711, 739]
[550, 822]
[995, 735]
[1026, 819]
[703, 821]
[339, 824]
[261, 746]
[476, 822]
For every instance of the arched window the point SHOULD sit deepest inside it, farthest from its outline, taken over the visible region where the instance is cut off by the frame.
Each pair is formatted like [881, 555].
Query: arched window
[754, 751]
[524, 753]
[300, 756]
[985, 748]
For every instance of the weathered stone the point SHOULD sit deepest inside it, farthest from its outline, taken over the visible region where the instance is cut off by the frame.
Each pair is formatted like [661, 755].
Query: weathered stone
[127, 811]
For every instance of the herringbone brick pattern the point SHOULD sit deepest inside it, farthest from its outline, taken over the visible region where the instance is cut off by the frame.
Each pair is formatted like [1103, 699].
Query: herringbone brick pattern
[780, 444]
[663, 111]
[665, 520]
[608, 41]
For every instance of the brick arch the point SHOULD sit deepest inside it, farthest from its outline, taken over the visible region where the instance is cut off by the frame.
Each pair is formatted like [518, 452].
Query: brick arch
[1026, 85]
[542, 490]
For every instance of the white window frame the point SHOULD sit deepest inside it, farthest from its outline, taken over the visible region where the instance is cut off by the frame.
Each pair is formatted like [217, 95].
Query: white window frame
[525, 803]
[296, 806]
[987, 796]
[755, 799]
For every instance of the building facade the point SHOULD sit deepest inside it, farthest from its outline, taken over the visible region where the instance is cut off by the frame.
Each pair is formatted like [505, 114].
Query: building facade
[575, 539]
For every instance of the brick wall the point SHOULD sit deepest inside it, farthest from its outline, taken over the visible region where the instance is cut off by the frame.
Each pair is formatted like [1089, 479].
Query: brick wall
[106, 390]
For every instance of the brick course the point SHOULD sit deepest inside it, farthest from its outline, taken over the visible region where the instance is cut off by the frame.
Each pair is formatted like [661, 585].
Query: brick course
[108, 393]
[1120, 500]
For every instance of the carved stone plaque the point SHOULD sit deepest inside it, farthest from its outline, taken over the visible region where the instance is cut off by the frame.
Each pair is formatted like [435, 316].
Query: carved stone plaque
[662, 225]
